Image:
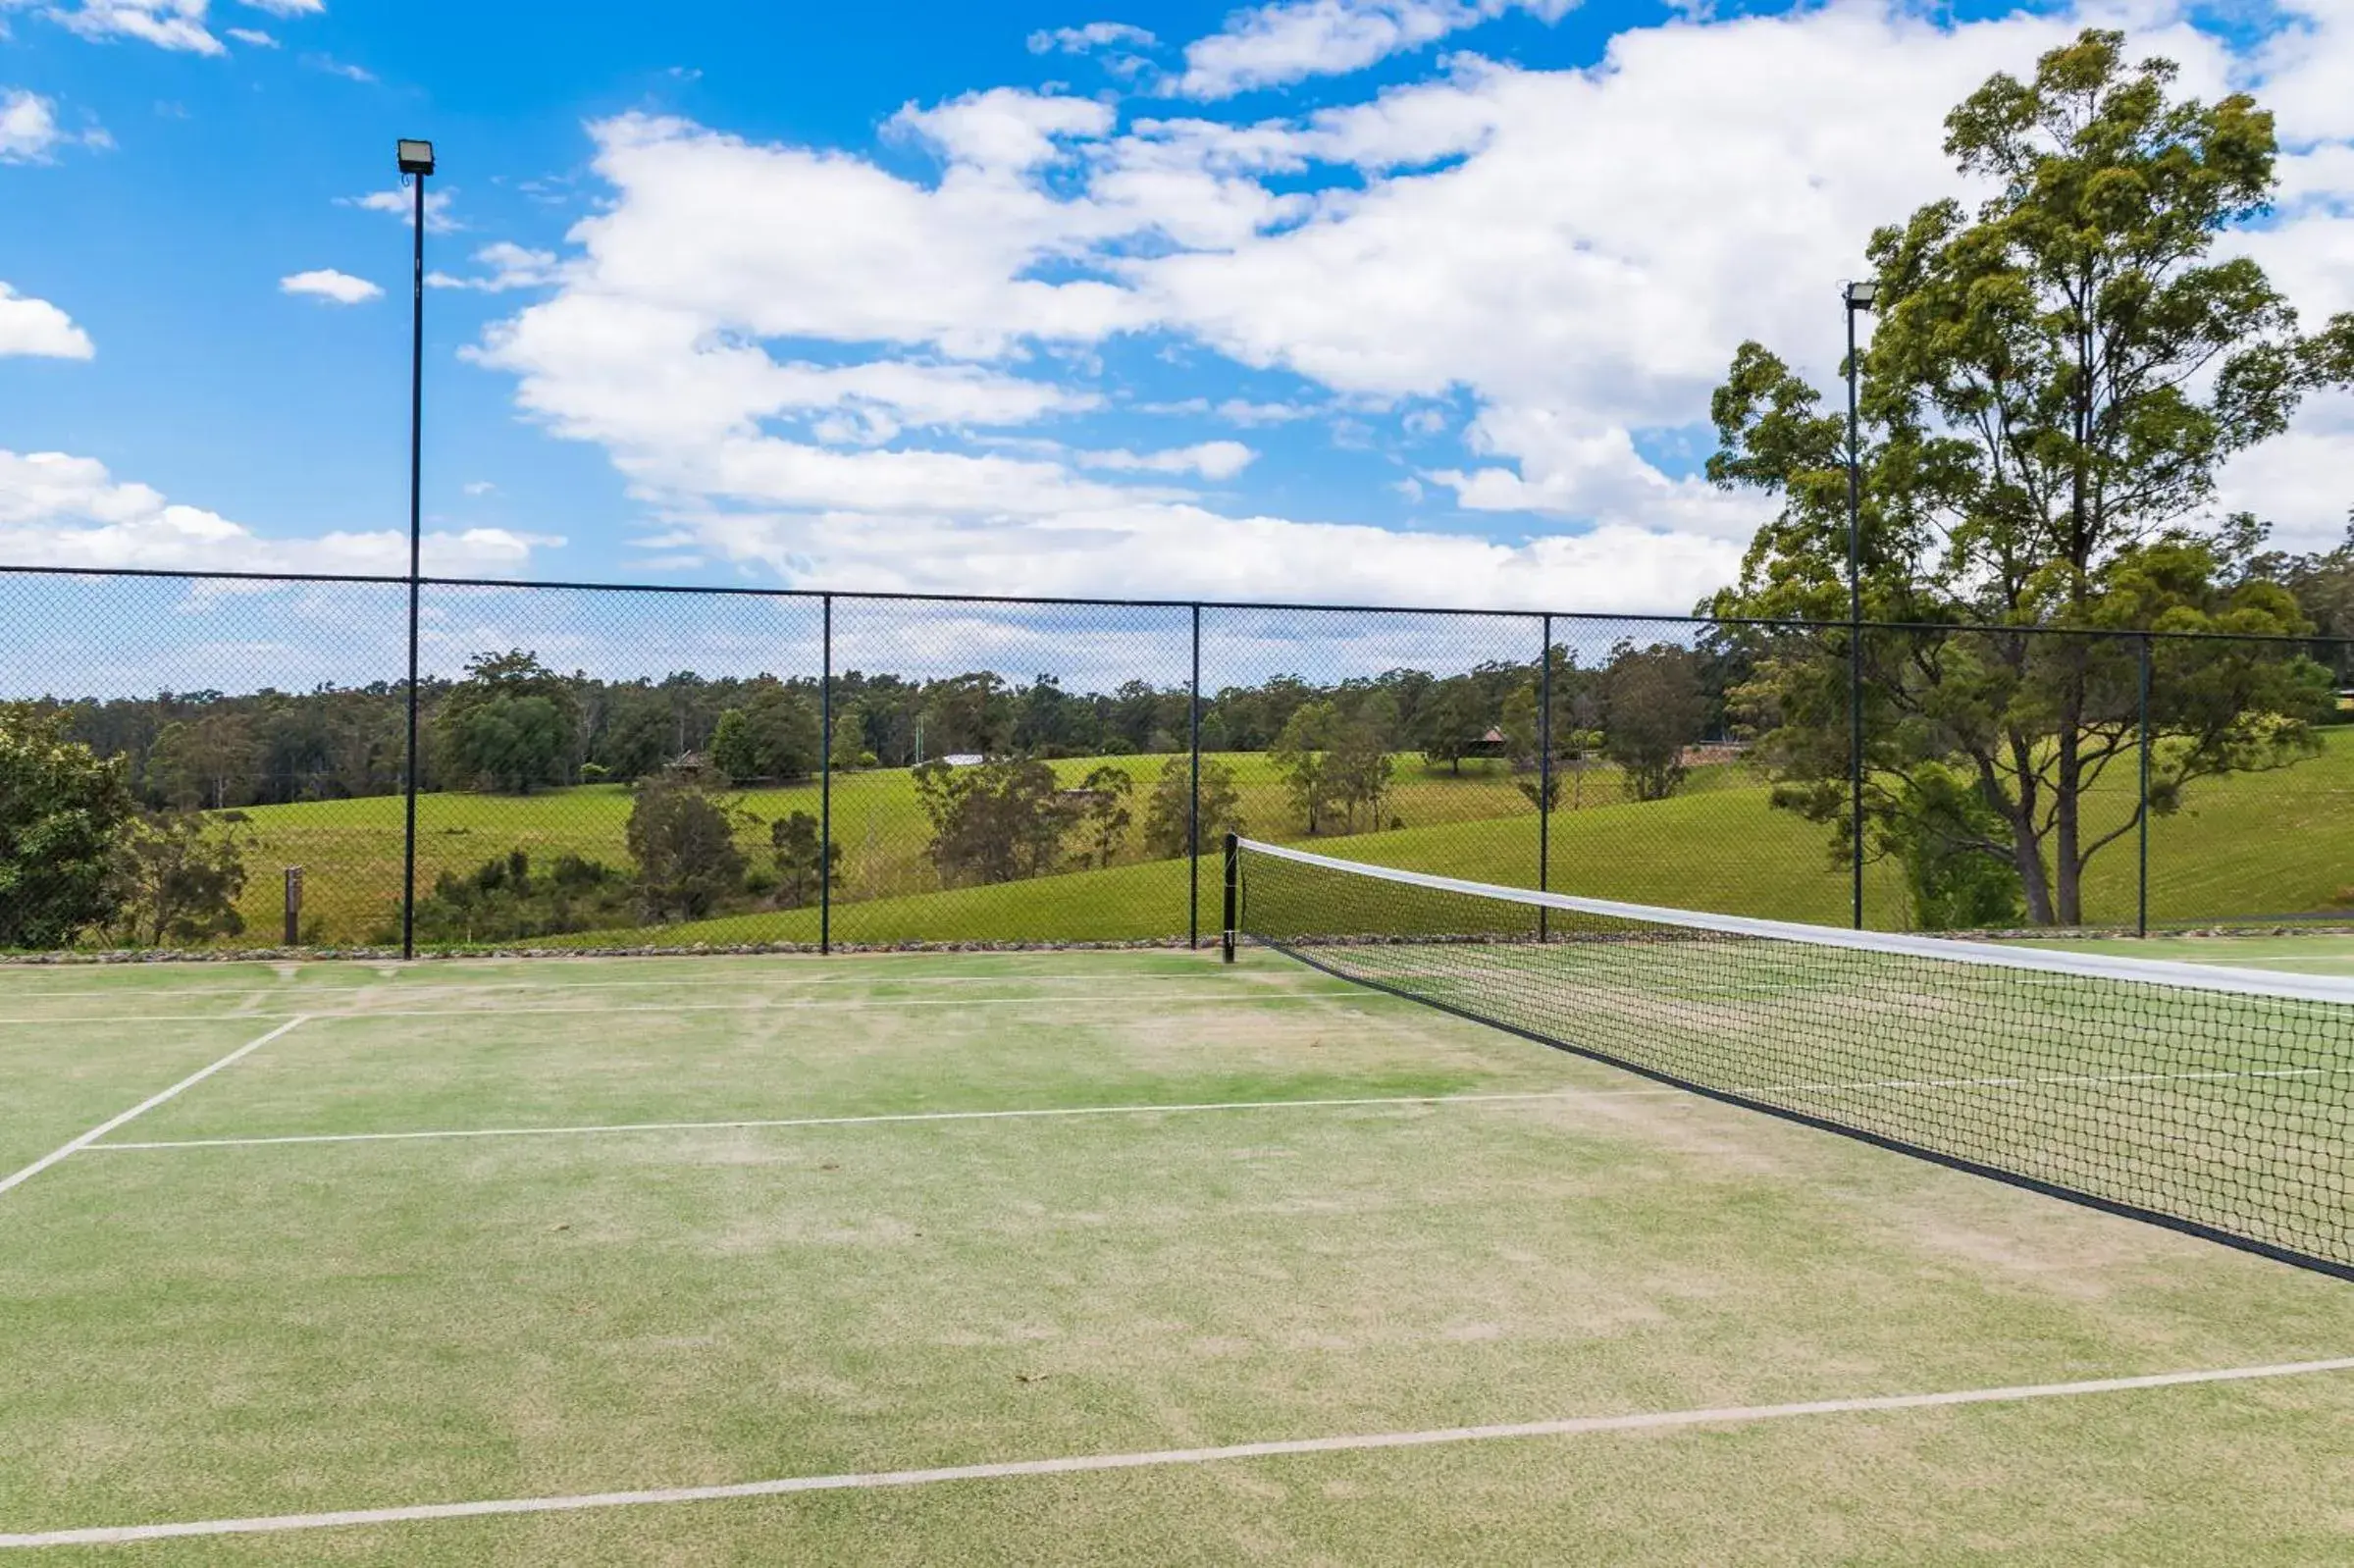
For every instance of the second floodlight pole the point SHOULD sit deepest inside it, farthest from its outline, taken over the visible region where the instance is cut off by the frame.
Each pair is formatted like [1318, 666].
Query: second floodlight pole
[1858, 298]
[416, 161]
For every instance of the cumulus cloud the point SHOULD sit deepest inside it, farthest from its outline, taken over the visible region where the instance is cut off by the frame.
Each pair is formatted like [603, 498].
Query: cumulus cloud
[177, 24]
[332, 67]
[510, 266]
[62, 510]
[29, 131]
[35, 326]
[1182, 550]
[327, 283]
[403, 204]
[28, 125]
[1449, 260]
[1089, 38]
[1270, 45]
[1210, 459]
[2302, 483]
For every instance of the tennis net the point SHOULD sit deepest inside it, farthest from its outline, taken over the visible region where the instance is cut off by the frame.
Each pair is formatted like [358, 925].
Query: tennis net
[2206, 1099]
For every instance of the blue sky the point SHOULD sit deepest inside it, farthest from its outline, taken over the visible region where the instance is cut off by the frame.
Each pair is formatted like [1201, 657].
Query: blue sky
[1326, 299]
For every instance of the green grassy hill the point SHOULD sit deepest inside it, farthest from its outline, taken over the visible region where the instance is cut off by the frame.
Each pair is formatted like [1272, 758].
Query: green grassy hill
[2249, 845]
[350, 850]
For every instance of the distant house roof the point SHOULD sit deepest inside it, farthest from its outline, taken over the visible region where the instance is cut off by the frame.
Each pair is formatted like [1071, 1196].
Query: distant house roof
[963, 758]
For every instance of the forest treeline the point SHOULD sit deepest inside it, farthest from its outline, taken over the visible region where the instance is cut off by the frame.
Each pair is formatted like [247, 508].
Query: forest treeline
[514, 726]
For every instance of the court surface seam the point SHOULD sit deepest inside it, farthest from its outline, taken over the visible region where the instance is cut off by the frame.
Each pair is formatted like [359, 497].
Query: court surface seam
[87, 1139]
[1577, 1425]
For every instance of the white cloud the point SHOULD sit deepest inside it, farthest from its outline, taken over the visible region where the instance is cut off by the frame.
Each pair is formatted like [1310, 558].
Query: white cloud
[29, 131]
[1006, 129]
[1091, 37]
[1179, 551]
[177, 24]
[288, 8]
[512, 266]
[1549, 262]
[1293, 39]
[2301, 482]
[481, 487]
[338, 68]
[1210, 459]
[61, 510]
[35, 326]
[327, 283]
[28, 125]
[252, 36]
[403, 204]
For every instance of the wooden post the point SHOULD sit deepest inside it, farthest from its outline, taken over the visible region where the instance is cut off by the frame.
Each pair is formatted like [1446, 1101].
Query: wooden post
[294, 906]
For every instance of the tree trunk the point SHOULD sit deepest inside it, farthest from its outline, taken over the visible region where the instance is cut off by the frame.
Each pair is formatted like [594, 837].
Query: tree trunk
[2068, 795]
[2026, 848]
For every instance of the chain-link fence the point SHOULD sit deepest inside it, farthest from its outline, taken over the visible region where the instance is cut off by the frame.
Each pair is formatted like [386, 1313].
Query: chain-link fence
[603, 767]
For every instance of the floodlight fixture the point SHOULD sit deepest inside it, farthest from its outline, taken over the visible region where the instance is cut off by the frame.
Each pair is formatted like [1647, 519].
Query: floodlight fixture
[1863, 295]
[416, 157]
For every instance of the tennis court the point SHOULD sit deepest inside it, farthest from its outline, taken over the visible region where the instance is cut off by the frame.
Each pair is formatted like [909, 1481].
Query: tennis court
[1106, 1257]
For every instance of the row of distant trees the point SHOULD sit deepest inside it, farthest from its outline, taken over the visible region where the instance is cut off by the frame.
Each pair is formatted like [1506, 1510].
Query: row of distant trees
[515, 725]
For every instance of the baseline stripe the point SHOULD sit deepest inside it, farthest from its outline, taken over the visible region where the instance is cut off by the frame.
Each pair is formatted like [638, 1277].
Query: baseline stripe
[144, 1107]
[1580, 1426]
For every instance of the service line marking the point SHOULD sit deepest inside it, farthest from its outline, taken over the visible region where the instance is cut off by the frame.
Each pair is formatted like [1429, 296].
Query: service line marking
[145, 1106]
[1574, 1426]
[1031, 1113]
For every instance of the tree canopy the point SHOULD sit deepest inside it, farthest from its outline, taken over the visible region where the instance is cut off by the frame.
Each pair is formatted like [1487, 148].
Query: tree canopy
[2056, 378]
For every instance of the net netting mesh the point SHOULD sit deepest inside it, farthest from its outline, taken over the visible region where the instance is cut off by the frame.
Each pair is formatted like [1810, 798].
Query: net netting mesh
[2210, 1100]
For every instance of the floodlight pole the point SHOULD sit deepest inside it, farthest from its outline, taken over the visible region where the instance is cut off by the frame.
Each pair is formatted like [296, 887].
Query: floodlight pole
[1545, 770]
[416, 160]
[1193, 795]
[1855, 298]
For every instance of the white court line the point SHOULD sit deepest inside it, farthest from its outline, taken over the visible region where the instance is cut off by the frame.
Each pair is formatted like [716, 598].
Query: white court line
[892, 1117]
[1565, 1096]
[143, 1108]
[1574, 1426]
[1209, 975]
[784, 1005]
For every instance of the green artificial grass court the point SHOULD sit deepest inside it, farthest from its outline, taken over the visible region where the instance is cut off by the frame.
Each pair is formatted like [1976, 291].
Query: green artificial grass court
[431, 1295]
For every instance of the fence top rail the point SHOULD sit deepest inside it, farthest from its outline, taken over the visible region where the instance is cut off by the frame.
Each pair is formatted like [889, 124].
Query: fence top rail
[1287, 606]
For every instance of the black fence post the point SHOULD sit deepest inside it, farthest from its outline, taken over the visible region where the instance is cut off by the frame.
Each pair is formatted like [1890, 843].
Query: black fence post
[825, 780]
[1193, 801]
[2141, 913]
[1233, 899]
[1545, 770]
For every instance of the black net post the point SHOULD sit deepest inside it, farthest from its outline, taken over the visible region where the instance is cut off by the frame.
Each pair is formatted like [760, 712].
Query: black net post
[1234, 896]
[825, 779]
[1193, 798]
[2141, 877]
[1544, 767]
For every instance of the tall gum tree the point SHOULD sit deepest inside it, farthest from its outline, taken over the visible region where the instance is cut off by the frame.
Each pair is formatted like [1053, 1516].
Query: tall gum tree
[2055, 380]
